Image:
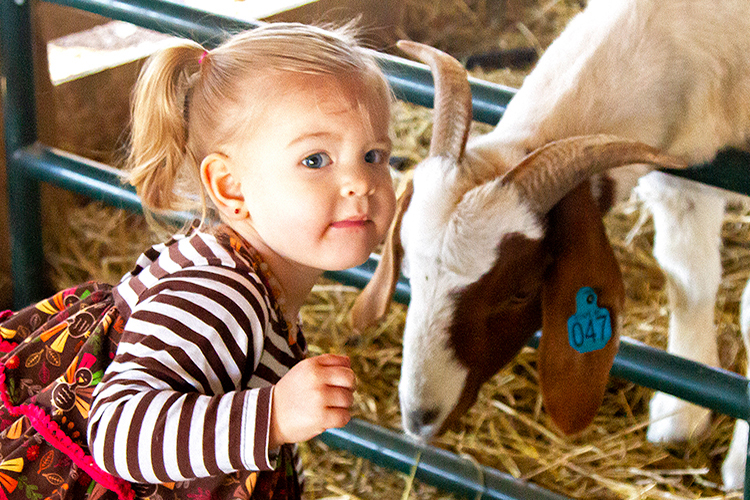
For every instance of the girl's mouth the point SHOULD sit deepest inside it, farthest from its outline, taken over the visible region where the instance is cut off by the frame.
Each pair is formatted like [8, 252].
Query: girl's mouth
[354, 222]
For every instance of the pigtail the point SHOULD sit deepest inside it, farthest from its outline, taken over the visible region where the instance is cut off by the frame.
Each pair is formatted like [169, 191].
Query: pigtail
[160, 167]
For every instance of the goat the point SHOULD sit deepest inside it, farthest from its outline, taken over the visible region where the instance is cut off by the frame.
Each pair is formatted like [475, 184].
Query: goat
[499, 235]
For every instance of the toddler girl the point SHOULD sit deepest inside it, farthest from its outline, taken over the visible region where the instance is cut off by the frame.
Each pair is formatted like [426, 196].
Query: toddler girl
[188, 378]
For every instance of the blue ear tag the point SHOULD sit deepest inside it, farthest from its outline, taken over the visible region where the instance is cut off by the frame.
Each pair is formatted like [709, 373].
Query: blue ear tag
[589, 329]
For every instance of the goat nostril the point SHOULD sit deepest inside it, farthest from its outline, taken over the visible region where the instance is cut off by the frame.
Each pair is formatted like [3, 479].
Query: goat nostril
[423, 418]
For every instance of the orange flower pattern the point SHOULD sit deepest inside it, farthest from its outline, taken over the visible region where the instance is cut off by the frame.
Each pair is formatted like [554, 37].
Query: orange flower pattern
[56, 353]
[52, 356]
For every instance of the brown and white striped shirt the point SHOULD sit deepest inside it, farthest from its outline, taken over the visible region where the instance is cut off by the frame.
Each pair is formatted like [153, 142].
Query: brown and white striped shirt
[188, 392]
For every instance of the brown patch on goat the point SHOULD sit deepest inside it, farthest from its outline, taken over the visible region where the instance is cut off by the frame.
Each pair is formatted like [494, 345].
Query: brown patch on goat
[533, 285]
[496, 316]
[572, 383]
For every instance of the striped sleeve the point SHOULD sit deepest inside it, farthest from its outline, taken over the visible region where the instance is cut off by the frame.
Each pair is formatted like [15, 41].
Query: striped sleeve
[172, 404]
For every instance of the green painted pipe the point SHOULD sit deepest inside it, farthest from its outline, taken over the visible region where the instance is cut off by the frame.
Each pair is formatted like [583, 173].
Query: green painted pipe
[19, 115]
[360, 276]
[410, 81]
[435, 466]
[75, 173]
[721, 390]
[171, 18]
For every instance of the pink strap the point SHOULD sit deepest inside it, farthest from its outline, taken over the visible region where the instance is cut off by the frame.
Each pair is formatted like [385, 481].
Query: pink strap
[57, 438]
[6, 346]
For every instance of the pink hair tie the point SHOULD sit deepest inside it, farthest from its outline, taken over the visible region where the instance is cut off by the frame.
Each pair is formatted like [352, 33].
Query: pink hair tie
[202, 57]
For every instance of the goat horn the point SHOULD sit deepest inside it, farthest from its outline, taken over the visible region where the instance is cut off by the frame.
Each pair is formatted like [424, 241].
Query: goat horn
[452, 108]
[546, 175]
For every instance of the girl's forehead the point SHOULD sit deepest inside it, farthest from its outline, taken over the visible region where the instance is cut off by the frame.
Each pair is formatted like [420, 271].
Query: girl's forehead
[285, 102]
[331, 93]
[281, 85]
[327, 94]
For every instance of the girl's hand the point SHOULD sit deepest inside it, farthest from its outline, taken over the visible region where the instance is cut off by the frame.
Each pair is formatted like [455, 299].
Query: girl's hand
[313, 396]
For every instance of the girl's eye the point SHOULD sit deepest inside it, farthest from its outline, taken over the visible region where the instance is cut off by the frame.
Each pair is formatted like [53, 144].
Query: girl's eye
[375, 156]
[317, 160]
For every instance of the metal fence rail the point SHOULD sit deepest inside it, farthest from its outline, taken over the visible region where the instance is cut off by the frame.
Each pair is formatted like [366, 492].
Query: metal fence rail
[29, 163]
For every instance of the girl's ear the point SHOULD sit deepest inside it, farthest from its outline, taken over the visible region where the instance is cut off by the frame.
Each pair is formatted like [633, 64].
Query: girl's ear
[222, 186]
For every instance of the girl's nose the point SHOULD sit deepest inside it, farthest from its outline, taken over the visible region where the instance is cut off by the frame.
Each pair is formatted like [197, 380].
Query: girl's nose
[357, 184]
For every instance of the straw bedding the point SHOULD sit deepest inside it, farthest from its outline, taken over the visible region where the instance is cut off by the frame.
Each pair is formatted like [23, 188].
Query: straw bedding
[507, 428]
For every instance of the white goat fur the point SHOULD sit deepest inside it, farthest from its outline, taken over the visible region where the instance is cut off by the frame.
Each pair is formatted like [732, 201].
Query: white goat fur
[674, 74]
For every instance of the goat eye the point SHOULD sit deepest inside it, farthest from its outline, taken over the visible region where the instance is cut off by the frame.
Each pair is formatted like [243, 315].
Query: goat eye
[520, 297]
[376, 156]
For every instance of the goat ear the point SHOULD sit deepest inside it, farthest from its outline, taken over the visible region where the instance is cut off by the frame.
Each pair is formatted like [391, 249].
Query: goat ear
[572, 382]
[372, 303]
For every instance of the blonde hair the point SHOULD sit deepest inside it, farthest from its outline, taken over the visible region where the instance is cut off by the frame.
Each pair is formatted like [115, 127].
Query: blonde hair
[189, 102]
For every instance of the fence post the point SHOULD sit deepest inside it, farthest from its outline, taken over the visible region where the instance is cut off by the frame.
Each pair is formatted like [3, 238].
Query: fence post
[19, 112]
